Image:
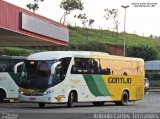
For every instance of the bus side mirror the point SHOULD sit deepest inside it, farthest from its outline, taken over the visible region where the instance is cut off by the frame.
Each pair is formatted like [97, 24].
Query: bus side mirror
[16, 66]
[53, 68]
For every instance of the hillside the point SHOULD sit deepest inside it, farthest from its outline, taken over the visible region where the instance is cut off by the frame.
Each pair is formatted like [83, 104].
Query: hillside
[79, 37]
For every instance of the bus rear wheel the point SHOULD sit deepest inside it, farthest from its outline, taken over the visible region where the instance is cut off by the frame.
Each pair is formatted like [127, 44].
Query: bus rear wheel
[41, 105]
[98, 103]
[124, 99]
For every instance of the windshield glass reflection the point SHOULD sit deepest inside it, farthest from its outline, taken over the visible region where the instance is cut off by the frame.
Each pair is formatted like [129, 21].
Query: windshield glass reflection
[37, 74]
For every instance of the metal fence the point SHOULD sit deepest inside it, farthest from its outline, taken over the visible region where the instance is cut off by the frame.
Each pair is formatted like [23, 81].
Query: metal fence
[154, 83]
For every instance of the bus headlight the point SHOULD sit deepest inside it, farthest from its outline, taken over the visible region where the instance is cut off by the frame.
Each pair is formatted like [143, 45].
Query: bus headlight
[21, 92]
[47, 92]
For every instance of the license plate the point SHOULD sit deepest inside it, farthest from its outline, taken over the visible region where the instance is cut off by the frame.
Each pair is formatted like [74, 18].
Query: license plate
[32, 99]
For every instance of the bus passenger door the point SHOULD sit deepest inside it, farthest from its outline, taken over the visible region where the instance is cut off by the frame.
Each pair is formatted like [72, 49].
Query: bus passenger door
[56, 72]
[13, 90]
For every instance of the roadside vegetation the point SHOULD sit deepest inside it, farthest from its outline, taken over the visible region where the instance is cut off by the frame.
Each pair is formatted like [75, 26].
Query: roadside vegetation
[96, 40]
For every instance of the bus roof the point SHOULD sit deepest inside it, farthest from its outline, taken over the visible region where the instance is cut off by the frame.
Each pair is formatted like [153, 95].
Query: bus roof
[12, 57]
[51, 55]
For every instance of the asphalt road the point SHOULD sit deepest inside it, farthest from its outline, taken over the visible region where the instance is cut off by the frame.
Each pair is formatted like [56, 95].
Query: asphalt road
[150, 104]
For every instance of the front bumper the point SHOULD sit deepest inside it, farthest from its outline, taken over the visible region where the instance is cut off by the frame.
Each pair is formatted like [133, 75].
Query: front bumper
[44, 98]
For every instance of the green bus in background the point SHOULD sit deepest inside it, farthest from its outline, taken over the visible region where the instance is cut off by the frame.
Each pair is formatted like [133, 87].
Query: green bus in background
[9, 81]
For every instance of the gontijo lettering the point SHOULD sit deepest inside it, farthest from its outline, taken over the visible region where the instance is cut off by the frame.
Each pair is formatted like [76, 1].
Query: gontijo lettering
[119, 80]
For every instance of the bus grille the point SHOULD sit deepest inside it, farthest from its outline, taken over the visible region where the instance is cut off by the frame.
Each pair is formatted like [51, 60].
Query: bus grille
[33, 94]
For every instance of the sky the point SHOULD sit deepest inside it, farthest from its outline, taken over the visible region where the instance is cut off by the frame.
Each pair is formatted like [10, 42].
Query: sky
[142, 16]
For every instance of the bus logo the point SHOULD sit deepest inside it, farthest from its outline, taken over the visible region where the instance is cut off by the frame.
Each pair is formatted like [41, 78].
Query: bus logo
[119, 80]
[59, 98]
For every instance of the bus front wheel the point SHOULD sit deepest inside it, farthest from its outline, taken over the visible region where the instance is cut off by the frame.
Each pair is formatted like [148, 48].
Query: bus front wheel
[70, 100]
[124, 99]
[41, 105]
[2, 95]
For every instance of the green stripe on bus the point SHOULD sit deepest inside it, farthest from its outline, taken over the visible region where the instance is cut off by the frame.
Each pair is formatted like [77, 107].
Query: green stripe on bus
[91, 84]
[101, 85]
[96, 85]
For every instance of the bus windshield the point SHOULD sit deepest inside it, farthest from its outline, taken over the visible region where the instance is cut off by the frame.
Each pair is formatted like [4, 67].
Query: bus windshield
[37, 74]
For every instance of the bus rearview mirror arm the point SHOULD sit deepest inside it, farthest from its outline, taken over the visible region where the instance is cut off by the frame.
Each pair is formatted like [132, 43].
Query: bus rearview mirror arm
[15, 67]
[54, 67]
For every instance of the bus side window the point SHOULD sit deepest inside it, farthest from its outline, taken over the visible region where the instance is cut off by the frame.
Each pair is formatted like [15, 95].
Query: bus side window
[58, 74]
[125, 73]
[3, 69]
[64, 66]
[4, 66]
[74, 69]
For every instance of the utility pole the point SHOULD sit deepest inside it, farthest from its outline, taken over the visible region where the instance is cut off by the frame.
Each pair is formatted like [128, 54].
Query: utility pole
[124, 35]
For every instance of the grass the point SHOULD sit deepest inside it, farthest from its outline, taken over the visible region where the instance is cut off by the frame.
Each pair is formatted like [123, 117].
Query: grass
[81, 35]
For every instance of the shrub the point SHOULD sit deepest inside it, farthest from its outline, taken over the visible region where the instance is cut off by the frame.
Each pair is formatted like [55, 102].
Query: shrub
[13, 51]
[142, 51]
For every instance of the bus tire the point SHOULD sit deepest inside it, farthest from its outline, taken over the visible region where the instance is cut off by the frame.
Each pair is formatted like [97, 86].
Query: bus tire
[70, 100]
[2, 95]
[124, 99]
[98, 103]
[41, 105]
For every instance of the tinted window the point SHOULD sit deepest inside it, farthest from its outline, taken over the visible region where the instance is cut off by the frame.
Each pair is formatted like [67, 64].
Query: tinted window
[65, 64]
[106, 67]
[8, 65]
[4, 65]
[89, 66]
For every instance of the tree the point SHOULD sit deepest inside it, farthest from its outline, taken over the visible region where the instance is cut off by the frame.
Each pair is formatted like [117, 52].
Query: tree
[113, 14]
[69, 6]
[142, 51]
[34, 6]
[83, 18]
[90, 22]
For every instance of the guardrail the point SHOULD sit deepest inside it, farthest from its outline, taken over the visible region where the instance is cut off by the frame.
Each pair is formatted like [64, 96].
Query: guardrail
[154, 89]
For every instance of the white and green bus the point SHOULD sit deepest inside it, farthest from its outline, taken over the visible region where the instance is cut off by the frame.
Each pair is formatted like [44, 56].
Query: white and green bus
[81, 76]
[9, 81]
